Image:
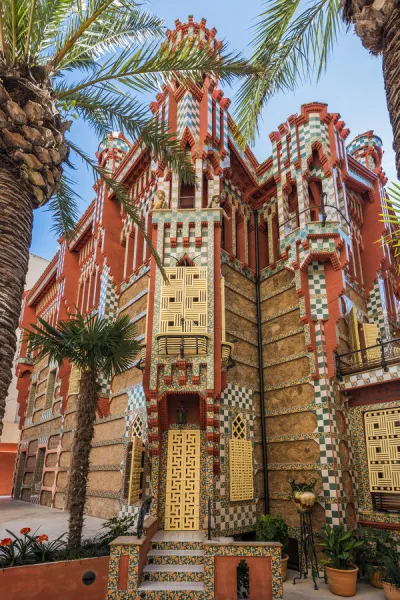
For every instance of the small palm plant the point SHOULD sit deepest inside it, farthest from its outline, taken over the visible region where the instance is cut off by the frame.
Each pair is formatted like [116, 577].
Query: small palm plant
[95, 346]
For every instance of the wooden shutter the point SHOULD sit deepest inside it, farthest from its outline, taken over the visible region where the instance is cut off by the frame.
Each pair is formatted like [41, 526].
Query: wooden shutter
[355, 338]
[136, 471]
[74, 381]
[371, 332]
[241, 486]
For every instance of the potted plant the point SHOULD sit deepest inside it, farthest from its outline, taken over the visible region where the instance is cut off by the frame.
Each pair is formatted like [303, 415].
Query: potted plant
[391, 577]
[339, 547]
[379, 548]
[272, 528]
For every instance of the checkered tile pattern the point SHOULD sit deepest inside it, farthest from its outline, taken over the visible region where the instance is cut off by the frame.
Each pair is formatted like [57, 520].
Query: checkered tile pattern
[199, 254]
[317, 287]
[237, 396]
[108, 303]
[376, 306]
[189, 115]
[234, 516]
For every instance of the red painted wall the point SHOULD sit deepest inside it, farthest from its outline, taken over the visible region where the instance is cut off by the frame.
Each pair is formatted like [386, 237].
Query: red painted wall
[225, 577]
[8, 452]
[61, 580]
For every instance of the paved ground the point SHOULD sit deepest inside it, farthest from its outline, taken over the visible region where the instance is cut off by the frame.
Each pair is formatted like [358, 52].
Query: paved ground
[15, 514]
[305, 589]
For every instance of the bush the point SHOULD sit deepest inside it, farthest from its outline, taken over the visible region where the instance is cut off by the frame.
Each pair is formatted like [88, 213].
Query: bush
[270, 528]
[378, 550]
[339, 546]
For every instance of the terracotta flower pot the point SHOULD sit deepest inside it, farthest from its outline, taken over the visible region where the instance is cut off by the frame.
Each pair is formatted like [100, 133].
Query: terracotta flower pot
[342, 583]
[391, 592]
[285, 558]
[375, 578]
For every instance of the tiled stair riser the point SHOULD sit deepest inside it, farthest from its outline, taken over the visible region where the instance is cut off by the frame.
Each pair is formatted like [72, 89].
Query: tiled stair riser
[175, 559]
[176, 545]
[169, 595]
[180, 576]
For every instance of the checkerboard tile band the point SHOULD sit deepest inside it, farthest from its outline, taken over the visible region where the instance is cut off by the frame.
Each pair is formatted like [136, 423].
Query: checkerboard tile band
[237, 396]
[234, 516]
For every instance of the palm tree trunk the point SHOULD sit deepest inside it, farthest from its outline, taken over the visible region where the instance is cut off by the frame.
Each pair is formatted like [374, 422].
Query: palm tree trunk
[391, 73]
[85, 418]
[16, 217]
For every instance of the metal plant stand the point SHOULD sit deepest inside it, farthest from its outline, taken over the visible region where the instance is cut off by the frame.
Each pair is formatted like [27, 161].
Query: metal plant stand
[307, 552]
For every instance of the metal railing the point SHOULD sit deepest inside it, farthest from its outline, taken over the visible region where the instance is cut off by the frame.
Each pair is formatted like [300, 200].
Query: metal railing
[191, 344]
[144, 510]
[381, 355]
[186, 201]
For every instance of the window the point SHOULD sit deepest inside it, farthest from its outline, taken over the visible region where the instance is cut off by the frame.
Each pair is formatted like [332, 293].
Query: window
[241, 483]
[31, 401]
[51, 384]
[382, 433]
[134, 473]
[37, 480]
[74, 380]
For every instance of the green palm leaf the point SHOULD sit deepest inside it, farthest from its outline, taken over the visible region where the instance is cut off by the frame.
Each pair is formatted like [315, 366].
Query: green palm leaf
[289, 47]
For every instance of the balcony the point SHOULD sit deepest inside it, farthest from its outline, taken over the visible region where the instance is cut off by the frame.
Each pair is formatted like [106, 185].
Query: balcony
[189, 344]
[186, 202]
[379, 356]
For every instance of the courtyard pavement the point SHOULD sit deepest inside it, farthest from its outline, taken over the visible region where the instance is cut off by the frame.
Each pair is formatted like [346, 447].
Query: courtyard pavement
[15, 514]
[305, 589]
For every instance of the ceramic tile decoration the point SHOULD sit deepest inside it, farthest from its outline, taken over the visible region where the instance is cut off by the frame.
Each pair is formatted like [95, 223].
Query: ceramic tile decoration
[207, 346]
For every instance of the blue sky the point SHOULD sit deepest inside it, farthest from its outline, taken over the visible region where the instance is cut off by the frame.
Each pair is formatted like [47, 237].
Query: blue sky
[352, 86]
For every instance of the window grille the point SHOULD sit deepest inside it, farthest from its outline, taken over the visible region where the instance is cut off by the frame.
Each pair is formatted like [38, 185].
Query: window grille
[135, 463]
[241, 483]
[382, 435]
[31, 402]
[51, 384]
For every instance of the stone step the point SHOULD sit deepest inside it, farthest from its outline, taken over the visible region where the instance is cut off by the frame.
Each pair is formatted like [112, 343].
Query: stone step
[171, 590]
[180, 573]
[175, 557]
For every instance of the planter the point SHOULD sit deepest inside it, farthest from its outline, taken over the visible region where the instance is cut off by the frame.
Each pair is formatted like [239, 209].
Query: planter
[47, 581]
[285, 558]
[342, 583]
[375, 578]
[391, 592]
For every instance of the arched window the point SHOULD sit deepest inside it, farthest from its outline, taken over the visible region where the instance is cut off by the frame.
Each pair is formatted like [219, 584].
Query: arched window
[134, 472]
[241, 483]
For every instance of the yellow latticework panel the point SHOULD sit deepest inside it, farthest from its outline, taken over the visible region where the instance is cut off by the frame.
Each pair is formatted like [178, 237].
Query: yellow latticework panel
[239, 428]
[371, 332]
[382, 434]
[241, 469]
[137, 427]
[184, 301]
[74, 380]
[355, 338]
[183, 480]
[136, 471]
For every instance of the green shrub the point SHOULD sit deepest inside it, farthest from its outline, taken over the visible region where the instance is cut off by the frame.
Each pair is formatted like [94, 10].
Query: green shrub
[380, 548]
[271, 528]
[339, 546]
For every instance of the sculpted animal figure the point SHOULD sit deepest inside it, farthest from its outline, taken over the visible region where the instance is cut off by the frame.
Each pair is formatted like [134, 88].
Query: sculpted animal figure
[160, 202]
[214, 202]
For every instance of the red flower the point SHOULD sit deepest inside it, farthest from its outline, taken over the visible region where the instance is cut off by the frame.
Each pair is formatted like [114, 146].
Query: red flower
[25, 530]
[6, 542]
[42, 538]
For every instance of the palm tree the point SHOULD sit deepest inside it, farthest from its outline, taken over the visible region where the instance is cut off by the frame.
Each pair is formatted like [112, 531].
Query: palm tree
[290, 44]
[66, 59]
[95, 346]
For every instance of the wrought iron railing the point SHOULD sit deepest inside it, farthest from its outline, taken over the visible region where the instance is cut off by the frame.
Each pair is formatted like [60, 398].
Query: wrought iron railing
[144, 510]
[186, 202]
[172, 344]
[381, 355]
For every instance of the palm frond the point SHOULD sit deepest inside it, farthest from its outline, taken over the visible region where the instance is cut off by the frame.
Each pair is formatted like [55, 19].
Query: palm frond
[114, 30]
[109, 109]
[146, 68]
[391, 216]
[104, 345]
[289, 49]
[64, 208]
[122, 197]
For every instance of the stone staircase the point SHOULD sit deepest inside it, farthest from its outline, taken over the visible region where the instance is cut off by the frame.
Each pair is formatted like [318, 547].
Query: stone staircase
[175, 566]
